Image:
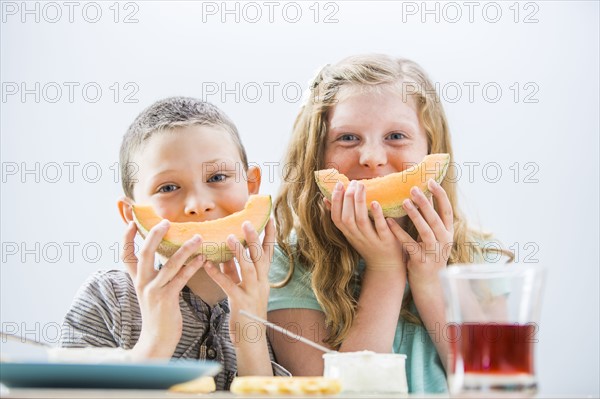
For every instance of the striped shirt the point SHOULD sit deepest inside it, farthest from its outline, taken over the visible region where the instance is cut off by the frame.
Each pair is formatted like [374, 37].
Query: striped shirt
[106, 313]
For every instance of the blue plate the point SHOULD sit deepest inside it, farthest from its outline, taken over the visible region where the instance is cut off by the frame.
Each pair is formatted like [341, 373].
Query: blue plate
[111, 376]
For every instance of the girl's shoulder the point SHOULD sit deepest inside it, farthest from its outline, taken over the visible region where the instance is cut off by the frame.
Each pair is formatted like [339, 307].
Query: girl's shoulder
[281, 268]
[478, 246]
[291, 283]
[492, 251]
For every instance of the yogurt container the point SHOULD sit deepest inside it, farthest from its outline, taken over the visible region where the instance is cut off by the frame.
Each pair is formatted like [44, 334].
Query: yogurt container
[367, 371]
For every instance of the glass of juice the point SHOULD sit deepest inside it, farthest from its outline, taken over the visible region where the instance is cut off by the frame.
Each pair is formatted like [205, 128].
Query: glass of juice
[492, 314]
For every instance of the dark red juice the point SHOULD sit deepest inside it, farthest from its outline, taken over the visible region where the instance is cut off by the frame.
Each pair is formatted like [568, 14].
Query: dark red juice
[493, 348]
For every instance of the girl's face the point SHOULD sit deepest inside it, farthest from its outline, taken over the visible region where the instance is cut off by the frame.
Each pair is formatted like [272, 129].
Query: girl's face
[374, 133]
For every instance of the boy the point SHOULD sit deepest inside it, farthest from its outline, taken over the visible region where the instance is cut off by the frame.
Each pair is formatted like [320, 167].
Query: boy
[187, 156]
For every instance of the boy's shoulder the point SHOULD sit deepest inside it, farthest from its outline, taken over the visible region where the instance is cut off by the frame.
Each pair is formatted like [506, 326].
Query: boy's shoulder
[119, 277]
[108, 283]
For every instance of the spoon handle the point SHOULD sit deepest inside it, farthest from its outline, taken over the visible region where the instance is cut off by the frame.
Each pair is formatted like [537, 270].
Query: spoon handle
[287, 332]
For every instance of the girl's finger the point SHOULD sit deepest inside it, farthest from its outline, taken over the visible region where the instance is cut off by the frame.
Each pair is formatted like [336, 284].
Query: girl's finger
[361, 213]
[399, 232]
[336, 204]
[178, 259]
[429, 214]
[421, 225]
[381, 226]
[347, 217]
[128, 254]
[185, 273]
[410, 246]
[145, 269]
[443, 204]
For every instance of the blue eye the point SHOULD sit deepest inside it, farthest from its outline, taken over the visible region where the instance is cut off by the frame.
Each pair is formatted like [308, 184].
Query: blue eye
[217, 178]
[397, 136]
[168, 188]
[348, 137]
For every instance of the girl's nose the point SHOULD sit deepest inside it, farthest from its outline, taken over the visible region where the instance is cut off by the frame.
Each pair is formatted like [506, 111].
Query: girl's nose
[373, 156]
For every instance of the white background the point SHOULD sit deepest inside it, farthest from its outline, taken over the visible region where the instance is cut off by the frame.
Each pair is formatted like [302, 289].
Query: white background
[545, 207]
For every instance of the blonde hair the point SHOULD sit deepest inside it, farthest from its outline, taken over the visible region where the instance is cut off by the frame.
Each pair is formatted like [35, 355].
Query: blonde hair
[319, 245]
[167, 114]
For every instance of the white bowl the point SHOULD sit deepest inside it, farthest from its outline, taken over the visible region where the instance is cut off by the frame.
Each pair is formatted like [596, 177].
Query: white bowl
[367, 371]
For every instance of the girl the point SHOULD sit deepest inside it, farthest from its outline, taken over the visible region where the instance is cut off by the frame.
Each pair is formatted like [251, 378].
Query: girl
[341, 278]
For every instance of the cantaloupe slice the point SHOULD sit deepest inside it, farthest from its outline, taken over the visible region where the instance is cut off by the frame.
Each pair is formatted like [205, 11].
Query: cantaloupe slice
[391, 190]
[214, 232]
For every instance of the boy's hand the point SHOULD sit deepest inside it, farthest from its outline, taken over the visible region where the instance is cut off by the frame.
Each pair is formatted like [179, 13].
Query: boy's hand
[252, 292]
[158, 291]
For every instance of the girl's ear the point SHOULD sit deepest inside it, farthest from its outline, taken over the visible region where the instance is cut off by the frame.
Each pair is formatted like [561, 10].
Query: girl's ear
[125, 209]
[253, 176]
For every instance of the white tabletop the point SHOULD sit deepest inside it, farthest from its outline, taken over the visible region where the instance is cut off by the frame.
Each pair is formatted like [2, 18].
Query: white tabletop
[47, 393]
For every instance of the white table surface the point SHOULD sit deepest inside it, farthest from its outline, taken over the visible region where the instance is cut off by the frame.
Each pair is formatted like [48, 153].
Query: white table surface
[47, 393]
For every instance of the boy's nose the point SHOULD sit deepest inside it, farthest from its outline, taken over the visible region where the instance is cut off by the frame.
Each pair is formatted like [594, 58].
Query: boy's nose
[198, 205]
[373, 156]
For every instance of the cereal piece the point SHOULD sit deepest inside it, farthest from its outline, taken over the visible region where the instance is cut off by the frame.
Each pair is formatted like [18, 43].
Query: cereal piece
[199, 385]
[286, 385]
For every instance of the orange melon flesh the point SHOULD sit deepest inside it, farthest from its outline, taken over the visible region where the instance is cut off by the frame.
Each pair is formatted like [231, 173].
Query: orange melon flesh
[214, 233]
[391, 190]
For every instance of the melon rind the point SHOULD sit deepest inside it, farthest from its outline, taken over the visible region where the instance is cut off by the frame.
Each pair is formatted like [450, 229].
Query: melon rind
[391, 190]
[214, 232]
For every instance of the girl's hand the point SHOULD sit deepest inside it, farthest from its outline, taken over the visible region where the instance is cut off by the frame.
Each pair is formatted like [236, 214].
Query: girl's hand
[158, 291]
[373, 240]
[252, 292]
[430, 253]
[374, 326]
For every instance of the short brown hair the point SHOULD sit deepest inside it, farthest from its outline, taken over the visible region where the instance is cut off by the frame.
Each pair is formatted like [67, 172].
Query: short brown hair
[170, 113]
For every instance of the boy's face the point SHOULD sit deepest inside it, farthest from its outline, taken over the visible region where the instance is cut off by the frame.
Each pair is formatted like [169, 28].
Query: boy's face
[193, 174]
